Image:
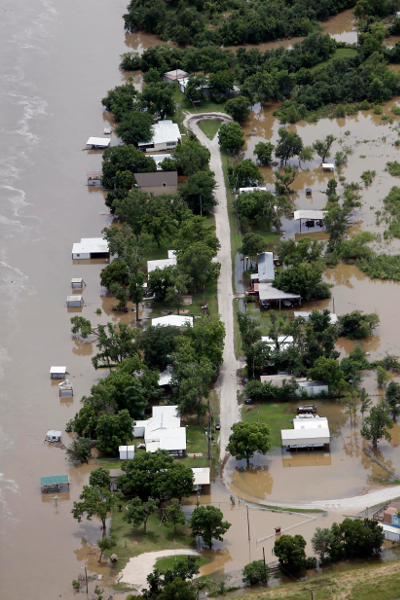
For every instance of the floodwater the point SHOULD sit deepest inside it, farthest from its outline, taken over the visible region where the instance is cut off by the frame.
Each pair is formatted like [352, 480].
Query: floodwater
[59, 60]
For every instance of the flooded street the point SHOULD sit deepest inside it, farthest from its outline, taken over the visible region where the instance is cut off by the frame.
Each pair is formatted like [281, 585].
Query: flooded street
[58, 61]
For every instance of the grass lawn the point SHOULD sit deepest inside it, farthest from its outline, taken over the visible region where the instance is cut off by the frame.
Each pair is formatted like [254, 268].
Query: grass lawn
[277, 416]
[210, 127]
[237, 336]
[168, 562]
[131, 541]
[195, 437]
[340, 53]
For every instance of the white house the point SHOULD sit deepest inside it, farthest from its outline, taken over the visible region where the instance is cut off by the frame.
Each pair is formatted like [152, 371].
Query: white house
[328, 167]
[175, 75]
[164, 262]
[310, 421]
[162, 431]
[166, 136]
[90, 248]
[77, 283]
[172, 320]
[97, 143]
[53, 435]
[308, 431]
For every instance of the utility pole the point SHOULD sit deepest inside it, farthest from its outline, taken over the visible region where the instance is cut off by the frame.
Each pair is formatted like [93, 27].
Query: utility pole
[312, 595]
[201, 205]
[87, 587]
[248, 521]
[258, 412]
[265, 568]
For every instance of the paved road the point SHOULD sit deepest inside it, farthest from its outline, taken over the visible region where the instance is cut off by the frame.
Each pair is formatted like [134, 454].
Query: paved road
[227, 381]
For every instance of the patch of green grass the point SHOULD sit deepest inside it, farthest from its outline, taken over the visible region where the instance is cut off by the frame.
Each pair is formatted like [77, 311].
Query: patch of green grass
[209, 296]
[277, 416]
[236, 238]
[195, 437]
[237, 336]
[168, 562]
[340, 53]
[131, 541]
[209, 127]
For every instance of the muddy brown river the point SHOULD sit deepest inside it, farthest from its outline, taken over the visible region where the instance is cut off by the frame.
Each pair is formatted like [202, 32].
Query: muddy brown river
[58, 60]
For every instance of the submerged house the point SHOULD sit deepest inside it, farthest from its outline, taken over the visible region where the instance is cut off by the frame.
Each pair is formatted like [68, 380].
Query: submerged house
[97, 143]
[309, 431]
[166, 136]
[90, 248]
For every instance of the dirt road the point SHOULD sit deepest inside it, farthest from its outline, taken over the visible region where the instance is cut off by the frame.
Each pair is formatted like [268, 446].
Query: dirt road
[227, 381]
[136, 571]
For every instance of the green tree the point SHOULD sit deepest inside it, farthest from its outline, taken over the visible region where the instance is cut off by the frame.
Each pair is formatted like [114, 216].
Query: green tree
[158, 98]
[114, 431]
[193, 229]
[191, 157]
[263, 151]
[120, 100]
[289, 144]
[222, 81]
[175, 482]
[305, 280]
[290, 551]
[178, 590]
[198, 192]
[306, 155]
[194, 87]
[321, 542]
[141, 472]
[284, 179]
[304, 251]
[230, 137]
[138, 512]
[207, 338]
[253, 244]
[365, 403]
[100, 478]
[79, 451]
[207, 522]
[335, 220]
[106, 543]
[255, 572]
[238, 108]
[357, 325]
[248, 438]
[246, 174]
[249, 329]
[197, 263]
[376, 425]
[191, 380]
[322, 147]
[95, 503]
[157, 345]
[115, 272]
[392, 398]
[175, 514]
[179, 287]
[328, 369]
[135, 127]
[382, 376]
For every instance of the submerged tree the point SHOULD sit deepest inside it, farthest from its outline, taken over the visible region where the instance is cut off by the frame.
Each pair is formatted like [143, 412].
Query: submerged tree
[377, 424]
[248, 438]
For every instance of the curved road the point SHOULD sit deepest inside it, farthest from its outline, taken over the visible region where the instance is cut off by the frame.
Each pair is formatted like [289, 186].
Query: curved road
[227, 380]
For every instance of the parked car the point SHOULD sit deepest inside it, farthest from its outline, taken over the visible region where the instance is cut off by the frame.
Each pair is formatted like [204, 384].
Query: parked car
[217, 425]
[307, 409]
[248, 401]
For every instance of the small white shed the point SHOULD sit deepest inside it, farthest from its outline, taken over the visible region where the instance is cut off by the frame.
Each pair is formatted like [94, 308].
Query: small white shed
[77, 283]
[58, 372]
[74, 301]
[53, 435]
[126, 452]
[328, 167]
[391, 533]
[97, 143]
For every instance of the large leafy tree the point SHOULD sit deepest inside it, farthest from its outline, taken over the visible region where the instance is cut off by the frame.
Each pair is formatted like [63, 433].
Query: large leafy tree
[193, 229]
[175, 514]
[114, 431]
[120, 100]
[246, 174]
[253, 244]
[322, 147]
[175, 482]
[305, 280]
[357, 325]
[230, 137]
[255, 572]
[191, 380]
[106, 543]
[191, 157]
[158, 98]
[207, 522]
[207, 338]
[194, 87]
[291, 554]
[392, 398]
[263, 151]
[124, 158]
[222, 81]
[135, 127]
[248, 438]
[138, 512]
[328, 369]
[94, 503]
[335, 220]
[100, 478]
[197, 262]
[198, 192]
[304, 251]
[377, 423]
[157, 345]
[238, 108]
[289, 144]
[141, 472]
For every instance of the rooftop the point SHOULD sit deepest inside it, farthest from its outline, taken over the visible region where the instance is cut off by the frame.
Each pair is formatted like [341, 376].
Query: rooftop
[160, 178]
[175, 320]
[301, 434]
[58, 369]
[97, 141]
[163, 132]
[267, 292]
[201, 475]
[265, 265]
[176, 74]
[90, 245]
[54, 480]
[160, 264]
[312, 215]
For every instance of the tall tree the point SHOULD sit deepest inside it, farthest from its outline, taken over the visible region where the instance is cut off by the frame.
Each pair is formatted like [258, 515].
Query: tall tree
[135, 127]
[175, 514]
[191, 157]
[289, 144]
[95, 503]
[114, 431]
[248, 438]
[207, 522]
[198, 192]
[290, 551]
[106, 543]
[138, 512]
[100, 478]
[197, 262]
[246, 174]
[238, 108]
[263, 151]
[377, 423]
[141, 472]
[230, 137]
[392, 397]
[284, 179]
[179, 287]
[253, 244]
[158, 98]
[322, 147]
[335, 220]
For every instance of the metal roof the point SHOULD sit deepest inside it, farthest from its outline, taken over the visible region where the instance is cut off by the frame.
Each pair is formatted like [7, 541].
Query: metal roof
[74, 298]
[173, 438]
[77, 280]
[163, 132]
[58, 369]
[97, 141]
[90, 245]
[158, 178]
[310, 422]
[53, 433]
[165, 377]
[328, 166]
[313, 215]
[175, 320]
[266, 267]
[302, 434]
[54, 480]
[176, 74]
[160, 264]
[201, 475]
[267, 292]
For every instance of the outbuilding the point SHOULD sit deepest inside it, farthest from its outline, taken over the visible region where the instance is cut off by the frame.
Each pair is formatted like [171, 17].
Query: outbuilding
[54, 482]
[166, 136]
[328, 167]
[172, 320]
[53, 435]
[312, 388]
[94, 178]
[58, 372]
[65, 389]
[97, 143]
[164, 262]
[311, 217]
[174, 75]
[126, 452]
[90, 248]
[161, 182]
[74, 301]
[77, 283]
[268, 294]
